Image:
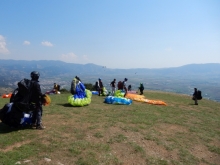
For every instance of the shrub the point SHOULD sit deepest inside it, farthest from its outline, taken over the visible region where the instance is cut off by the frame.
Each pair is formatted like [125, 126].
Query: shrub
[63, 90]
[89, 86]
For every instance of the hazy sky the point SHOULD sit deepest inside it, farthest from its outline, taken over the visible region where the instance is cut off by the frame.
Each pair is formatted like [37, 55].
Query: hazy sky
[112, 33]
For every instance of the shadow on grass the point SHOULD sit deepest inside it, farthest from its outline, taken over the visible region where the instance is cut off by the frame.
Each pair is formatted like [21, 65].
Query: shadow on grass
[7, 129]
[69, 105]
[192, 104]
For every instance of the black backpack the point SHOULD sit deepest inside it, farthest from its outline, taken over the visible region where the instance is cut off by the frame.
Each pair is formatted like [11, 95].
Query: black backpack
[199, 95]
[22, 95]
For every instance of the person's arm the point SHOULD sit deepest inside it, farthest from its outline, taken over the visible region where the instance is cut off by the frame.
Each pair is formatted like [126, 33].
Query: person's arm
[39, 93]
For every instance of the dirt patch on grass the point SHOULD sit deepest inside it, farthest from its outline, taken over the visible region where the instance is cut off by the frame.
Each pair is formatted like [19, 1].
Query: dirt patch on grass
[16, 145]
[127, 155]
[202, 152]
[131, 147]
[171, 129]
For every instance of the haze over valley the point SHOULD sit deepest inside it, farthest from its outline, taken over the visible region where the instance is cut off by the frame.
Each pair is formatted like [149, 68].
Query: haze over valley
[182, 80]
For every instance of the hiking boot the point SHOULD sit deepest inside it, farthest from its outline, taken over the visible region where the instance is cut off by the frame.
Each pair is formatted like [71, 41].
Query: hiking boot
[40, 127]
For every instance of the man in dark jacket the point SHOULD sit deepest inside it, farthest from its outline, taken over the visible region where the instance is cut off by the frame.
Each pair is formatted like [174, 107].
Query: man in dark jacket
[36, 98]
[195, 96]
[141, 88]
[100, 87]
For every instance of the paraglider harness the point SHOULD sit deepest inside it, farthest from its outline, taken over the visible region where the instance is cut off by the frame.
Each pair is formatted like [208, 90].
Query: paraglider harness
[19, 111]
[199, 95]
[78, 88]
[21, 96]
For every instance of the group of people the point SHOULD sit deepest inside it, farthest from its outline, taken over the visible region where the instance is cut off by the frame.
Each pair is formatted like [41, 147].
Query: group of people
[121, 85]
[37, 95]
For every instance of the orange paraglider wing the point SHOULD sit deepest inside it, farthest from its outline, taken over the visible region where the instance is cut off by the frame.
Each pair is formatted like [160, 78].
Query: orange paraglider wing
[7, 95]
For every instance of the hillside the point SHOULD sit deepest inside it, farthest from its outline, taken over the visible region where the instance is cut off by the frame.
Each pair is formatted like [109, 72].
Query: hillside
[205, 77]
[179, 133]
[52, 68]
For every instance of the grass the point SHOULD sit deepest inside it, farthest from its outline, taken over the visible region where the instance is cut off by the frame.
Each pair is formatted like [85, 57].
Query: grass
[179, 133]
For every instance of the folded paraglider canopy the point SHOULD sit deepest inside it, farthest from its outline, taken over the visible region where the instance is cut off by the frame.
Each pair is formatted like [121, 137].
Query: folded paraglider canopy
[142, 98]
[81, 96]
[118, 98]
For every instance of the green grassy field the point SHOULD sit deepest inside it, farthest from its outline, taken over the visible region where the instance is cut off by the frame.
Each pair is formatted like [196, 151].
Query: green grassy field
[180, 133]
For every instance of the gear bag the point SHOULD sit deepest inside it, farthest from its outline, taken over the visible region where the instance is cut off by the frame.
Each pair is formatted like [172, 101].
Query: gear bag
[22, 95]
[199, 95]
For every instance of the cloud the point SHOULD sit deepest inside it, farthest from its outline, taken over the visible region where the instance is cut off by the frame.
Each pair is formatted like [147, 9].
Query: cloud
[46, 43]
[3, 48]
[69, 57]
[26, 43]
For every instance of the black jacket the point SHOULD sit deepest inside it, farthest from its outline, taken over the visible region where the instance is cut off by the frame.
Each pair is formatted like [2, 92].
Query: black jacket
[36, 92]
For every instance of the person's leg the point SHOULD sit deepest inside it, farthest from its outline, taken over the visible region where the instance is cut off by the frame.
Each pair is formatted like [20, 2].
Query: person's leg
[126, 90]
[34, 118]
[196, 101]
[39, 118]
[99, 91]
[141, 91]
[113, 91]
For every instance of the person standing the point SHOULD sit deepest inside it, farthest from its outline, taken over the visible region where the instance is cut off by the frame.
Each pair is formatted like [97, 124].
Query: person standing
[113, 85]
[36, 102]
[99, 86]
[124, 86]
[195, 94]
[129, 87]
[141, 88]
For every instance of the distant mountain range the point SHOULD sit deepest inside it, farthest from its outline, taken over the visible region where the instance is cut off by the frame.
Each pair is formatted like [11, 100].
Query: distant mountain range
[50, 68]
[176, 79]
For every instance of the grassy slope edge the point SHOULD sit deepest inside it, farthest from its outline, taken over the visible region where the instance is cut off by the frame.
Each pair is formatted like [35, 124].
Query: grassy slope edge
[179, 133]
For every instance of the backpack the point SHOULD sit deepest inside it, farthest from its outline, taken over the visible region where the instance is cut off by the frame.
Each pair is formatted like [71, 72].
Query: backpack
[22, 95]
[199, 95]
[120, 85]
[73, 86]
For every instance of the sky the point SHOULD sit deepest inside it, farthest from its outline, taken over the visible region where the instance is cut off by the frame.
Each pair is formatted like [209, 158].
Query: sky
[112, 33]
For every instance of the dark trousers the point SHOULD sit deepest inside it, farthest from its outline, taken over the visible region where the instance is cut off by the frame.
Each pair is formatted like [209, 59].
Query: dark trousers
[141, 92]
[37, 115]
[195, 99]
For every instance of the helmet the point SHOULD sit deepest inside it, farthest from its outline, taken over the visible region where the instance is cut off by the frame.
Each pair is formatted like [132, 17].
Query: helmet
[35, 75]
[126, 79]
